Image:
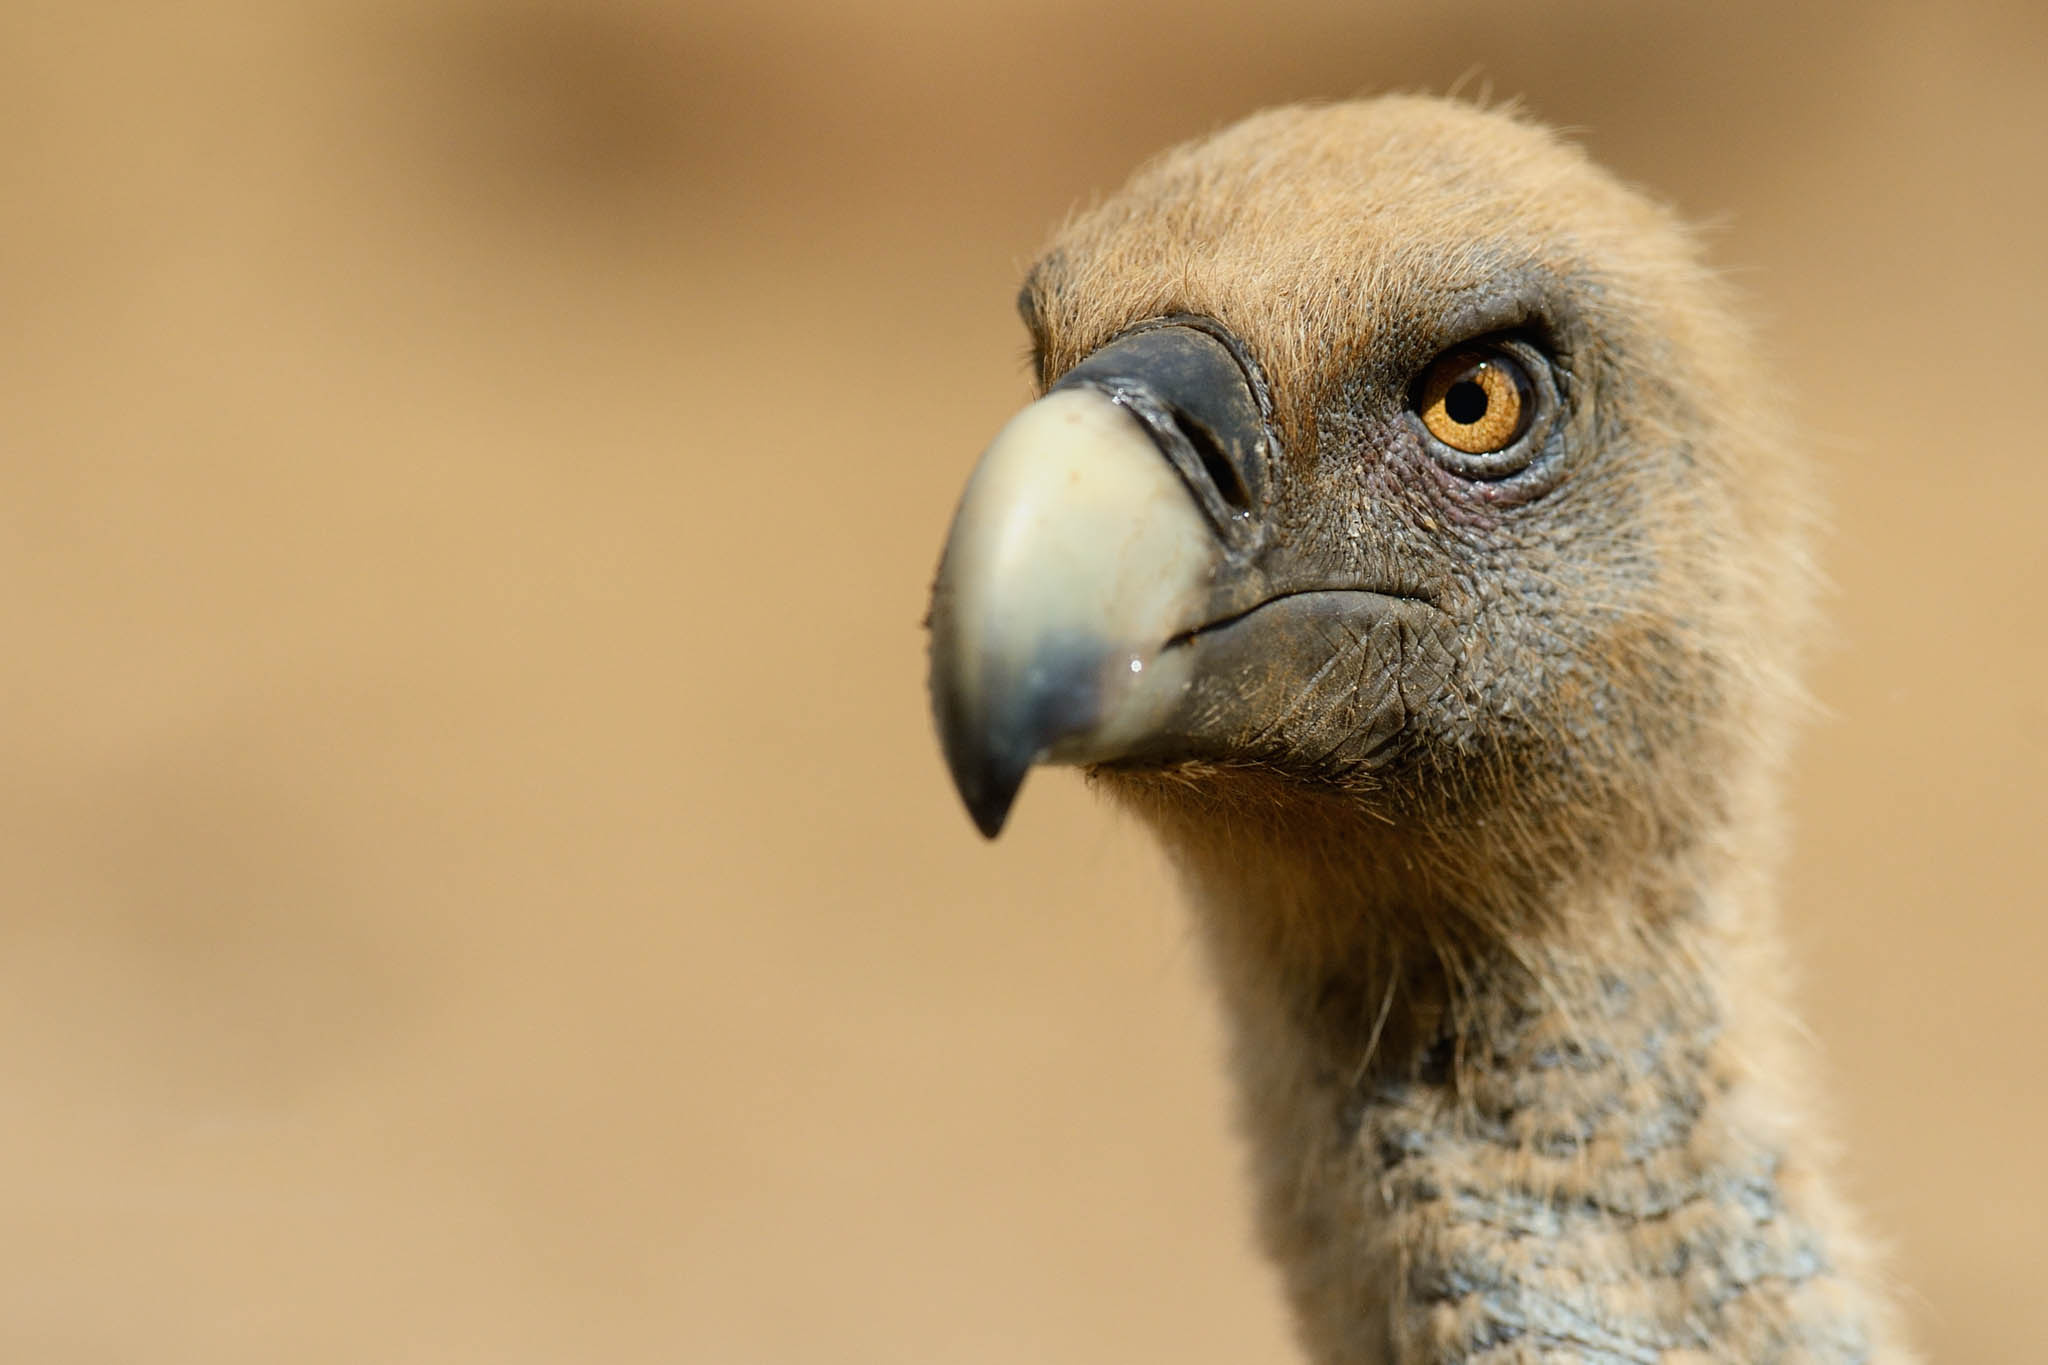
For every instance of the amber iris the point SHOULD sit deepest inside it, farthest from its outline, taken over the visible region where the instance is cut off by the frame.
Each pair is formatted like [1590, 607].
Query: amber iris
[1475, 401]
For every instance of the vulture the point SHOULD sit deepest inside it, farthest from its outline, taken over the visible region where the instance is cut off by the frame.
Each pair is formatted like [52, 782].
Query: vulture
[1405, 531]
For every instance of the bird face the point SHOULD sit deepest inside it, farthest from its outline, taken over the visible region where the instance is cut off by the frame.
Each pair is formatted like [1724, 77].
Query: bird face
[1391, 456]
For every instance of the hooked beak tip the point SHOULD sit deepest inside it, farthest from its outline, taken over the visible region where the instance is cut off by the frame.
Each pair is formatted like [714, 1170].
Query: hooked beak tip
[991, 806]
[986, 775]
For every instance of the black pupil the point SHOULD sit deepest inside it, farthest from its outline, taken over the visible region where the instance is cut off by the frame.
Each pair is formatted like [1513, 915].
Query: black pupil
[1465, 402]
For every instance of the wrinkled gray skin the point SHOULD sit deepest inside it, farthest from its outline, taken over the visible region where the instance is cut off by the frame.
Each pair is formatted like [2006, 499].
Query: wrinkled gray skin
[1493, 628]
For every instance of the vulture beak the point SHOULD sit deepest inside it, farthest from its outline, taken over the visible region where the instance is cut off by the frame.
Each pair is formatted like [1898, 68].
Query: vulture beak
[1101, 531]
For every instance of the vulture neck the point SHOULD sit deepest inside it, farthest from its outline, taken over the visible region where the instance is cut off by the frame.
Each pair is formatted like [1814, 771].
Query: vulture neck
[1569, 1133]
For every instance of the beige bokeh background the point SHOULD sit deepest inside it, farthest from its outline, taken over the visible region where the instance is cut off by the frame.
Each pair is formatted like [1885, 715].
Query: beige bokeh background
[479, 885]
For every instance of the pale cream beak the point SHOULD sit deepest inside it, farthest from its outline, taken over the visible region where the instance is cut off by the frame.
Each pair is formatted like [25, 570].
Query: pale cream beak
[1077, 555]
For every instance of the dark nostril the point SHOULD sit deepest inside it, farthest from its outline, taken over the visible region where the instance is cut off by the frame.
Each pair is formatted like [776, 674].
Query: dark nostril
[1222, 471]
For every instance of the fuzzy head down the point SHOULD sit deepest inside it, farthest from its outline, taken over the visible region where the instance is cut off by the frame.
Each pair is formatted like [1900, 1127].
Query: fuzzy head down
[1607, 665]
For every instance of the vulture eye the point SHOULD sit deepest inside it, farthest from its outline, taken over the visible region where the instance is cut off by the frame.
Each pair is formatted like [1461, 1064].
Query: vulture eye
[1476, 399]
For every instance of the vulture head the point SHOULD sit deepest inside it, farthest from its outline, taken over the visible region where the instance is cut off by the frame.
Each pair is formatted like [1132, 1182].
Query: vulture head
[1403, 532]
[1397, 509]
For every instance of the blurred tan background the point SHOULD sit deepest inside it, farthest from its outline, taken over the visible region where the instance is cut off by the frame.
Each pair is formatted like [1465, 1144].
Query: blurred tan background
[479, 885]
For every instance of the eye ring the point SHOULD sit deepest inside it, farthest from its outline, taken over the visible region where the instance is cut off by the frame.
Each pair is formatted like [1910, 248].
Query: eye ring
[1481, 406]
